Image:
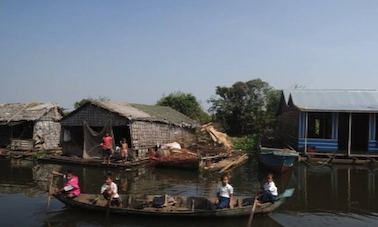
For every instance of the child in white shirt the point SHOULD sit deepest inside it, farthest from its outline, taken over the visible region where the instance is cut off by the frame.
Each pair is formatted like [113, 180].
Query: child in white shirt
[270, 192]
[110, 191]
[224, 193]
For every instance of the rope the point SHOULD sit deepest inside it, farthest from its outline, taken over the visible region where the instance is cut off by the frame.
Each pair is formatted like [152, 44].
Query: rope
[325, 163]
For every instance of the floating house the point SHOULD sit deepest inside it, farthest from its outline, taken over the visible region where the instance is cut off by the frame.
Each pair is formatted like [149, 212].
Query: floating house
[330, 121]
[143, 127]
[30, 126]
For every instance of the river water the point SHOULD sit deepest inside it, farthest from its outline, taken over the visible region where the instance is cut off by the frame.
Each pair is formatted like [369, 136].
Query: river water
[324, 195]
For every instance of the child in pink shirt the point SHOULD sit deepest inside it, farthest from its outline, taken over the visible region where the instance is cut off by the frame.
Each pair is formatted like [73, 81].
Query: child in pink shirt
[71, 188]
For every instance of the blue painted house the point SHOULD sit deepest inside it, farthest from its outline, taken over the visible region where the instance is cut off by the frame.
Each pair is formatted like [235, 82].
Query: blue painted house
[330, 121]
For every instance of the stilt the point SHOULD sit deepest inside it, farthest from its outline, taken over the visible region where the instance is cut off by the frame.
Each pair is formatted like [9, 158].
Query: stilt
[306, 133]
[349, 193]
[350, 135]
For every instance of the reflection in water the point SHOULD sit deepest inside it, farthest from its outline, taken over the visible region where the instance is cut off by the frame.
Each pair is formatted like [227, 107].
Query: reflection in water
[70, 218]
[336, 188]
[331, 191]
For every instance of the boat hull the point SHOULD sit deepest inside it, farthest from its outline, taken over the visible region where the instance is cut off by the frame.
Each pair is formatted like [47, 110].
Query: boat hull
[83, 202]
[277, 161]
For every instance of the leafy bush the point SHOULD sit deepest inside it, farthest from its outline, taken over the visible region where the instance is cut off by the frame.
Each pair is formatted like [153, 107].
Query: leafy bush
[246, 143]
[187, 104]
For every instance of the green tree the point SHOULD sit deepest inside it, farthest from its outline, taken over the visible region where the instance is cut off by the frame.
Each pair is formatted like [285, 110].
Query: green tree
[245, 108]
[185, 103]
[81, 102]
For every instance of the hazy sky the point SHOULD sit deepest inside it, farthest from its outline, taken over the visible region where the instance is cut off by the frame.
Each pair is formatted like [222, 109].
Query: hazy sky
[62, 51]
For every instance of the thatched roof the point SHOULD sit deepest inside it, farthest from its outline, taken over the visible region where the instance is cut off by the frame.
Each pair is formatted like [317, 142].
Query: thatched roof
[165, 113]
[14, 112]
[147, 112]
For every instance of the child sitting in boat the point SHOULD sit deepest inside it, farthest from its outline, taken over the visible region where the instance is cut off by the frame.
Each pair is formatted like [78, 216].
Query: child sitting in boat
[71, 188]
[224, 193]
[110, 191]
[270, 192]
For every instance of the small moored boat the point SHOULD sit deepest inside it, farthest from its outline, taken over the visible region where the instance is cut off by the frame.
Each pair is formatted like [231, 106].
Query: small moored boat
[278, 160]
[175, 206]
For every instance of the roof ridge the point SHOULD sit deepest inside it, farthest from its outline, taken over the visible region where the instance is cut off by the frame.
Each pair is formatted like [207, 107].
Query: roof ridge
[329, 89]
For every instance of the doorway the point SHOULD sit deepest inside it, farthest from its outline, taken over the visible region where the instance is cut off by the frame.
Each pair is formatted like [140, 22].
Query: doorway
[360, 132]
[343, 131]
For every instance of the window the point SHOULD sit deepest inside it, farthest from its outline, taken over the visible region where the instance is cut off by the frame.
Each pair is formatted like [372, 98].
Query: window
[320, 125]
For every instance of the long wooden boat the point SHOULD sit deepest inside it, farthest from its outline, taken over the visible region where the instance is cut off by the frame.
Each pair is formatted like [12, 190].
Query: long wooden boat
[278, 160]
[142, 205]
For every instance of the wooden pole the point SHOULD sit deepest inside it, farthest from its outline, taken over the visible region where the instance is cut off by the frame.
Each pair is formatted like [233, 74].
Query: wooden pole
[108, 207]
[252, 213]
[305, 186]
[349, 195]
[50, 192]
[350, 135]
[306, 133]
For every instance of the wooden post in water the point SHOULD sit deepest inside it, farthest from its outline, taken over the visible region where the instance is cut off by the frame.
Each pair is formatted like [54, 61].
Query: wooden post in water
[350, 135]
[306, 133]
[349, 192]
[305, 186]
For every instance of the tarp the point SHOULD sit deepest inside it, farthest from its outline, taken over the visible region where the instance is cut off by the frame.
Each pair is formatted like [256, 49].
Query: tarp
[93, 139]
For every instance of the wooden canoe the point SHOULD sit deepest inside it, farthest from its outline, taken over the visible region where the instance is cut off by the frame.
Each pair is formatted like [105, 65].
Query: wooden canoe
[183, 206]
[278, 160]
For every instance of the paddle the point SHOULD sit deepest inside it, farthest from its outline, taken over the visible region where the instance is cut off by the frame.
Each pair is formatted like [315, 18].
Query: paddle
[49, 192]
[252, 213]
[53, 173]
[288, 193]
[108, 206]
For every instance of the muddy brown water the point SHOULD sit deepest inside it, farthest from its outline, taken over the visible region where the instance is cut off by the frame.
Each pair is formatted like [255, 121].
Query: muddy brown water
[324, 195]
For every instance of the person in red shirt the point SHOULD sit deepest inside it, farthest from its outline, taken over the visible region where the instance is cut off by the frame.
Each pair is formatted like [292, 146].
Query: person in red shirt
[107, 147]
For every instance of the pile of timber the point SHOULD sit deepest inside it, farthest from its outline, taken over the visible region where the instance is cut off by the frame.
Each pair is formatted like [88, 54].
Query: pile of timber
[222, 163]
[210, 132]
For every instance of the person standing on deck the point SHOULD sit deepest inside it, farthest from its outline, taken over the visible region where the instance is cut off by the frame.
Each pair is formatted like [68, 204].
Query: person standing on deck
[124, 150]
[224, 193]
[107, 147]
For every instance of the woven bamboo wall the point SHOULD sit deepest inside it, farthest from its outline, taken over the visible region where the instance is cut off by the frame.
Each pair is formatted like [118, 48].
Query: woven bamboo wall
[149, 134]
[47, 135]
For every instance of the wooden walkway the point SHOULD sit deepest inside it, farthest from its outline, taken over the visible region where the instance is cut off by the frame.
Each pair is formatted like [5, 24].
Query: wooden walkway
[338, 158]
[91, 162]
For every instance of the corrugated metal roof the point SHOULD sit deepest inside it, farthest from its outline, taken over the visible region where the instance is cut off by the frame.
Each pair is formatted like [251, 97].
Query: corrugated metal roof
[334, 100]
[12, 112]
